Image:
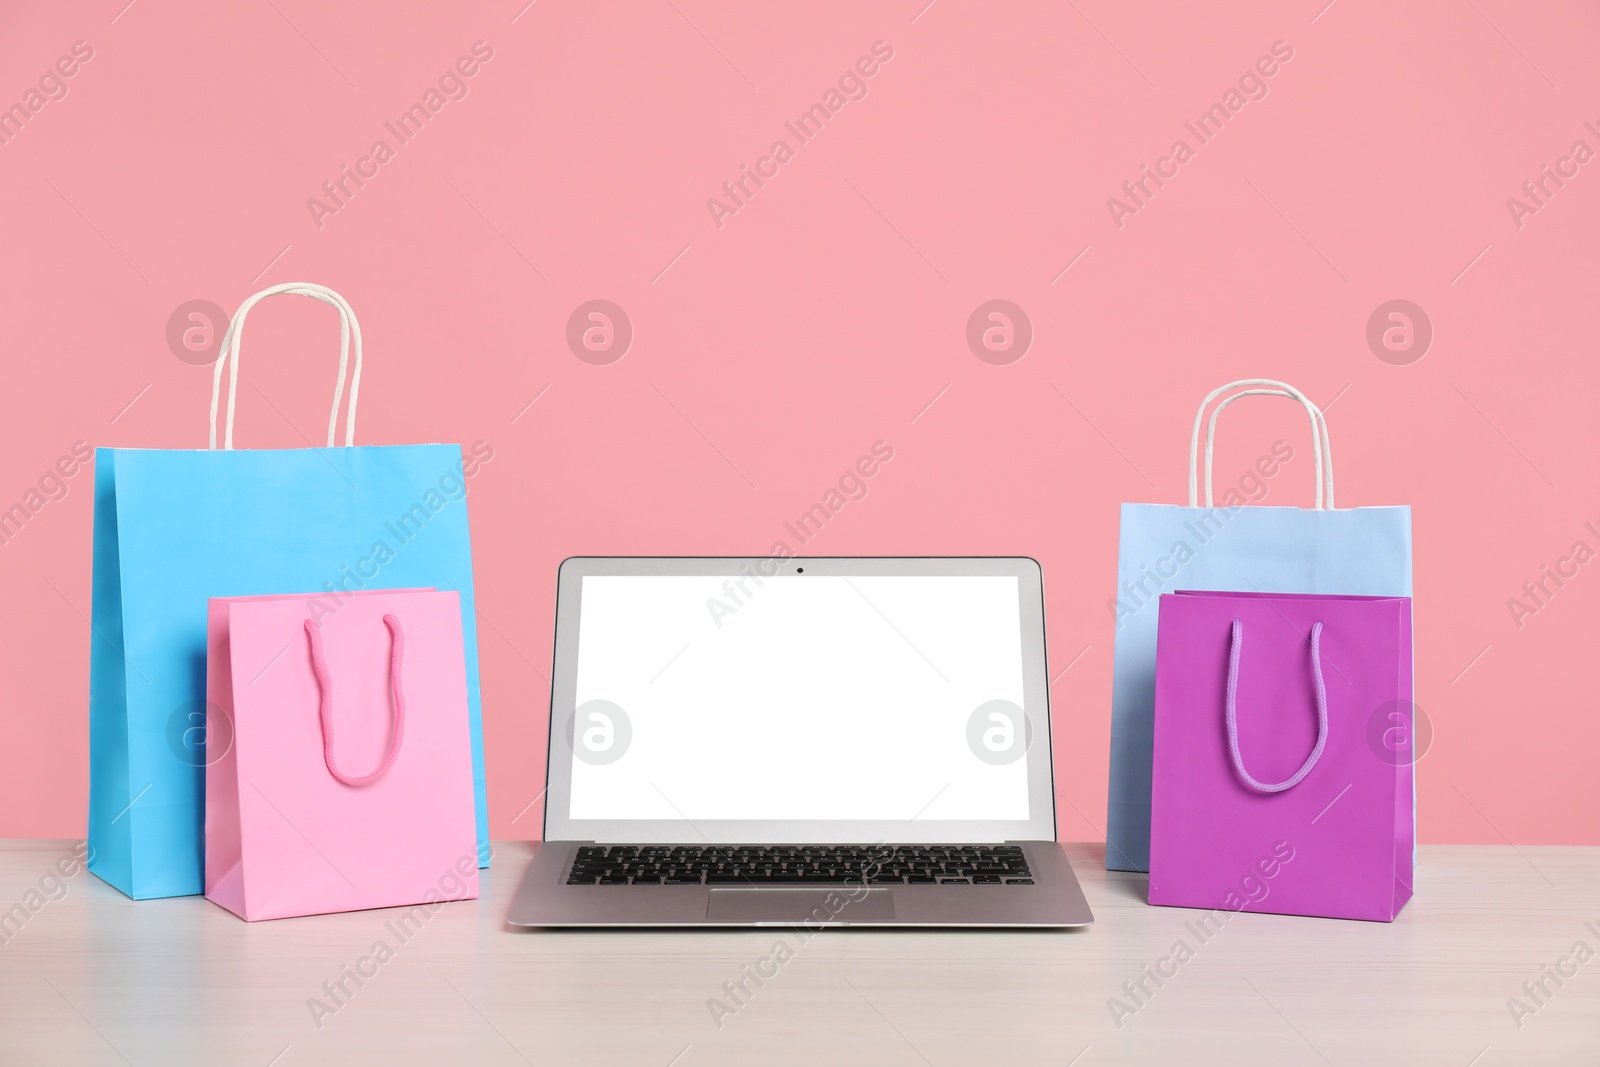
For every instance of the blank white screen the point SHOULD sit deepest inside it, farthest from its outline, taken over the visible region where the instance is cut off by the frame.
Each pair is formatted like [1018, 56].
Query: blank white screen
[815, 698]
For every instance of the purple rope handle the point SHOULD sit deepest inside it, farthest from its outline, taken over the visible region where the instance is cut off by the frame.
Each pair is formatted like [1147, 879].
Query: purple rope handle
[325, 709]
[1233, 714]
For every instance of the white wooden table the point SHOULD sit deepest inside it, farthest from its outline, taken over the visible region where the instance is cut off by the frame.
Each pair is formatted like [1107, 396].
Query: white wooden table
[90, 977]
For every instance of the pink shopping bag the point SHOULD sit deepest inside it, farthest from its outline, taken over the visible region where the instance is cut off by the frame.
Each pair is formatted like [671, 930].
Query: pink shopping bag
[339, 760]
[1278, 784]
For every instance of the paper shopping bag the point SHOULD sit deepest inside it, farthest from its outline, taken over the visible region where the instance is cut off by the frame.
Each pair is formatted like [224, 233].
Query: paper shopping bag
[1227, 545]
[1277, 785]
[340, 755]
[174, 528]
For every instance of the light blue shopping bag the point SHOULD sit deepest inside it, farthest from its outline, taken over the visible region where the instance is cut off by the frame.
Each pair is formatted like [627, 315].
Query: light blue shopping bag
[174, 528]
[1351, 552]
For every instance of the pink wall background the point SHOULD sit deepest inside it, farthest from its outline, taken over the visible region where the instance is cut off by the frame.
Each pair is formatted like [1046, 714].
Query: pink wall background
[831, 311]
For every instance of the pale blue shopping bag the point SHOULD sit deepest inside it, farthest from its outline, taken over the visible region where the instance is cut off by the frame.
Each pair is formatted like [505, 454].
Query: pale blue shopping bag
[1349, 551]
[174, 528]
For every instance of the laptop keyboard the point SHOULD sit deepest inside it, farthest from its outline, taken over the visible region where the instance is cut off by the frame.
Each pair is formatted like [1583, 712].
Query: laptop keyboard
[799, 865]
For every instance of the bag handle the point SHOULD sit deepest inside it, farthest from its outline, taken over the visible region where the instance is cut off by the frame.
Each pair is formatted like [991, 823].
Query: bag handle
[228, 356]
[1321, 450]
[325, 705]
[1233, 715]
[1321, 446]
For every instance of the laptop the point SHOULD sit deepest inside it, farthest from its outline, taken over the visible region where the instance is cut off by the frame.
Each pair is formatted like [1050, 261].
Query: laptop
[786, 741]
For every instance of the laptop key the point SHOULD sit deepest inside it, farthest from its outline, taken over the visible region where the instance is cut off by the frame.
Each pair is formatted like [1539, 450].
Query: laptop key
[799, 865]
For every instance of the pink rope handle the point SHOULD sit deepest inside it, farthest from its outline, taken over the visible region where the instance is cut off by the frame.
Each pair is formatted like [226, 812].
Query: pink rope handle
[325, 685]
[1233, 715]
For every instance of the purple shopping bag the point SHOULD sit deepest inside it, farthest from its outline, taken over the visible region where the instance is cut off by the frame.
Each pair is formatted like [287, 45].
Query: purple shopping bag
[1282, 769]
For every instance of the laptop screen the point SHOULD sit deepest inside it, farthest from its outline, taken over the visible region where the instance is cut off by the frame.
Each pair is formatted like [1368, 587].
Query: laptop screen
[835, 698]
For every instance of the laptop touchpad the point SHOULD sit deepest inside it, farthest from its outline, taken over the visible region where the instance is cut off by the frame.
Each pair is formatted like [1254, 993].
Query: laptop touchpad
[790, 907]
